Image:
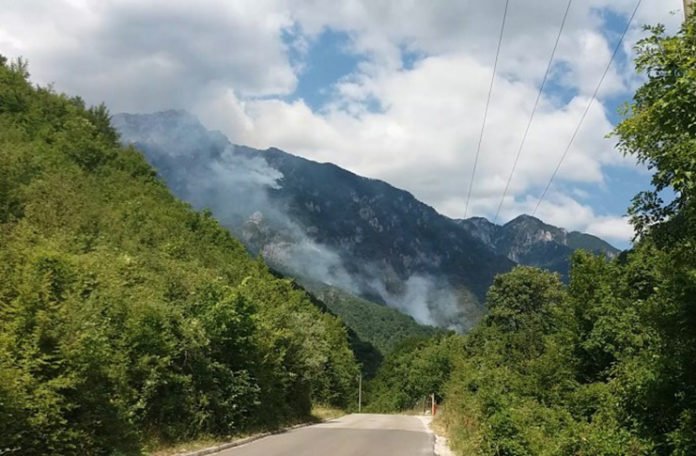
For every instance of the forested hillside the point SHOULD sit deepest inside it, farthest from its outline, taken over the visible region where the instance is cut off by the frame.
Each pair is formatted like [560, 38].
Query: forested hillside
[607, 364]
[322, 222]
[383, 327]
[127, 318]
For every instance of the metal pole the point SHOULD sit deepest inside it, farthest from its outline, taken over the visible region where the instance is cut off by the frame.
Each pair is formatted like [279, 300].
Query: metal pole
[688, 8]
[360, 393]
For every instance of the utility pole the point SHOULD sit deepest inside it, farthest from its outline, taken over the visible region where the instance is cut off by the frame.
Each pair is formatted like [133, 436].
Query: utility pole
[688, 9]
[360, 393]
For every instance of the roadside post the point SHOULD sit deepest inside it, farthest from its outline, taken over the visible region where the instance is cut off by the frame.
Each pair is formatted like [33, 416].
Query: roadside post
[360, 393]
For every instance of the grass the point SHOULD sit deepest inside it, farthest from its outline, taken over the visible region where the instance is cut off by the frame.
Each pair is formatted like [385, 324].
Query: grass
[439, 426]
[319, 413]
[324, 413]
[186, 447]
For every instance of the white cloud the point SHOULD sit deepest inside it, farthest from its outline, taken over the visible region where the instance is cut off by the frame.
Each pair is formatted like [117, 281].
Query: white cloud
[228, 62]
[564, 210]
[424, 138]
[142, 56]
[611, 228]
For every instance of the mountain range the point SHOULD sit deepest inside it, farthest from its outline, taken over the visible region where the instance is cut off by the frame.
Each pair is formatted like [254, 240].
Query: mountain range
[328, 227]
[529, 241]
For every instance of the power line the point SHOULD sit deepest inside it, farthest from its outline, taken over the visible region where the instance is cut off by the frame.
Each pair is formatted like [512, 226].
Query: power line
[536, 105]
[488, 102]
[587, 108]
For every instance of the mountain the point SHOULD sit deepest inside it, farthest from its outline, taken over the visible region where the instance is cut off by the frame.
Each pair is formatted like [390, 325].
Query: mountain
[322, 224]
[127, 319]
[529, 241]
[385, 332]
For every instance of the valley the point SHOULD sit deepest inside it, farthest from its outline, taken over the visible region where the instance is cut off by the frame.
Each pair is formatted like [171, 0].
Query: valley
[326, 226]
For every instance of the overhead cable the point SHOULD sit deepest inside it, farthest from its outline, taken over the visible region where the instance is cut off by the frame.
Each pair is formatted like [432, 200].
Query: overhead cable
[488, 102]
[534, 109]
[587, 108]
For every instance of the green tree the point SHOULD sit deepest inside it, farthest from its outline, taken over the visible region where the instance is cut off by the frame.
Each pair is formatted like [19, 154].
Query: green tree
[127, 318]
[416, 369]
[660, 130]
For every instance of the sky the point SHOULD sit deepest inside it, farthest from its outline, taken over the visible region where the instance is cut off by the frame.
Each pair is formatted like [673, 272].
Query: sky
[389, 89]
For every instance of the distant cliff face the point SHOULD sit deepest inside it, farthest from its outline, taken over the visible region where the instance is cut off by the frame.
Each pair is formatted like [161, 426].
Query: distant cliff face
[529, 241]
[322, 223]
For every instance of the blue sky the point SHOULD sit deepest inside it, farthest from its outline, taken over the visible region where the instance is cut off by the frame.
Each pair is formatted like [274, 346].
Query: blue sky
[388, 89]
[326, 61]
[329, 59]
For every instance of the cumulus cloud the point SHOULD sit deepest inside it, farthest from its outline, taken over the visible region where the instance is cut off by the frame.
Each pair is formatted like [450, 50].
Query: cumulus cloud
[416, 126]
[611, 228]
[563, 210]
[145, 56]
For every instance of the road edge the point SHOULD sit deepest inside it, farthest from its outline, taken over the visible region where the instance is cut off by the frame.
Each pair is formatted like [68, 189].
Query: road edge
[244, 441]
[440, 444]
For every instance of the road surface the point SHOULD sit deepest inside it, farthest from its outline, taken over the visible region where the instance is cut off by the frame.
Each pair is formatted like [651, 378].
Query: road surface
[352, 435]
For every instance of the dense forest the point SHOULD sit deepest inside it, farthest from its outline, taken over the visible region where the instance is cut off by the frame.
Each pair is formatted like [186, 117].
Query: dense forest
[607, 364]
[383, 327]
[127, 318]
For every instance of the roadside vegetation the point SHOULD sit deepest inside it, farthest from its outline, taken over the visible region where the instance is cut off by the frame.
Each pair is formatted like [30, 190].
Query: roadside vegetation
[127, 319]
[607, 364]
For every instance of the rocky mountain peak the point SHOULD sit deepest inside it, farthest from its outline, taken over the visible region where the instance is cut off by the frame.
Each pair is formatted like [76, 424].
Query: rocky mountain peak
[321, 222]
[528, 240]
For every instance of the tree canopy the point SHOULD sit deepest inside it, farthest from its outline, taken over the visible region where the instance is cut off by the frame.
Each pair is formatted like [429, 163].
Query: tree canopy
[127, 318]
[607, 364]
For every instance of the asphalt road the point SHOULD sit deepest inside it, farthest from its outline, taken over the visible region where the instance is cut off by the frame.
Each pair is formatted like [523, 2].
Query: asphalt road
[352, 435]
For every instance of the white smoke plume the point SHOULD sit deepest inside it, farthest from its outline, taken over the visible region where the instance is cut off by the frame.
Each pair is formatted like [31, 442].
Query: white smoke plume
[204, 169]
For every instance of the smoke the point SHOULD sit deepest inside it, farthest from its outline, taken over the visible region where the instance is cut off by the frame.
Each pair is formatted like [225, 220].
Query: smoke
[299, 255]
[429, 300]
[204, 169]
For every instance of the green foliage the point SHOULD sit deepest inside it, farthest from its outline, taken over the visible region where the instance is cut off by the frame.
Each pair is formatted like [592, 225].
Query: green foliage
[660, 128]
[379, 325]
[606, 365]
[502, 396]
[413, 371]
[126, 317]
[655, 377]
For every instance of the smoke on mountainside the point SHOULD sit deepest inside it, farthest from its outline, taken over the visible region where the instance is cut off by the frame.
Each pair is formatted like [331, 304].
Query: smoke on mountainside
[210, 173]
